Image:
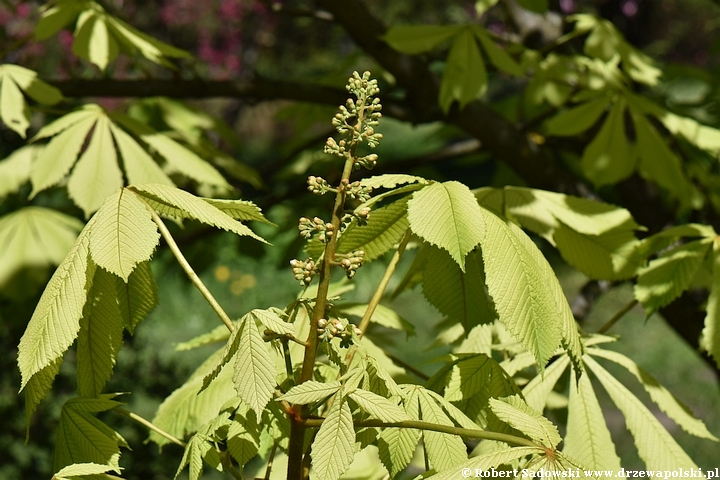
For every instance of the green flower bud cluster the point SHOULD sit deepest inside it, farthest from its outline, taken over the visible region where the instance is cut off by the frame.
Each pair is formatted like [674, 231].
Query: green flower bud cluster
[309, 227]
[337, 327]
[351, 262]
[357, 119]
[356, 191]
[304, 271]
[319, 185]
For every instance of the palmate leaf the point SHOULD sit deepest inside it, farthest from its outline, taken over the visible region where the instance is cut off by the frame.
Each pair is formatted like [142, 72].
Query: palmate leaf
[310, 392]
[239, 210]
[175, 203]
[188, 408]
[216, 335]
[96, 174]
[125, 234]
[334, 446]
[443, 450]
[199, 448]
[100, 336]
[387, 317]
[56, 321]
[609, 158]
[414, 39]
[243, 437]
[448, 216]
[667, 402]
[139, 165]
[657, 161]
[610, 256]
[378, 407]
[82, 438]
[461, 296]
[15, 169]
[384, 229]
[391, 180]
[576, 120]
[488, 461]
[34, 237]
[138, 296]
[14, 110]
[538, 389]
[655, 445]
[666, 277]
[526, 293]
[710, 337]
[465, 76]
[588, 439]
[254, 369]
[497, 56]
[37, 388]
[396, 447]
[515, 412]
[72, 472]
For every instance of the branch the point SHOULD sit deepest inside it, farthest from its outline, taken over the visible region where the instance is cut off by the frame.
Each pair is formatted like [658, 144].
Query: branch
[258, 90]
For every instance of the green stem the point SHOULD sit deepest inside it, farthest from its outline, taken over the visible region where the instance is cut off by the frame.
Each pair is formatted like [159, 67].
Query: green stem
[435, 427]
[380, 291]
[608, 325]
[268, 470]
[150, 425]
[228, 466]
[190, 272]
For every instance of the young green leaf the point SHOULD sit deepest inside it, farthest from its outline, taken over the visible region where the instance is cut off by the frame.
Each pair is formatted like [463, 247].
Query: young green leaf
[488, 461]
[655, 445]
[387, 317]
[391, 180]
[139, 165]
[272, 321]
[175, 203]
[72, 472]
[666, 277]
[243, 437]
[97, 174]
[138, 296]
[461, 296]
[656, 161]
[239, 210]
[538, 389]
[443, 450]
[254, 369]
[55, 160]
[378, 407]
[187, 408]
[414, 39]
[82, 438]
[515, 412]
[31, 85]
[609, 256]
[57, 315]
[465, 77]
[384, 229]
[100, 336]
[671, 406]
[448, 216]
[124, 234]
[588, 439]
[334, 446]
[609, 157]
[200, 447]
[710, 337]
[37, 388]
[497, 55]
[310, 392]
[14, 112]
[576, 120]
[396, 447]
[34, 237]
[15, 169]
[92, 41]
[523, 286]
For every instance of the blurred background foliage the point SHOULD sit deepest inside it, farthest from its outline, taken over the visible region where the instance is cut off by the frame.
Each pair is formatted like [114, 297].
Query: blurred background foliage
[243, 39]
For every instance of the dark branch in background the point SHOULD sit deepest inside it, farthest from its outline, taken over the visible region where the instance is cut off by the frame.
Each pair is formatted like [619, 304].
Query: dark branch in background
[496, 134]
